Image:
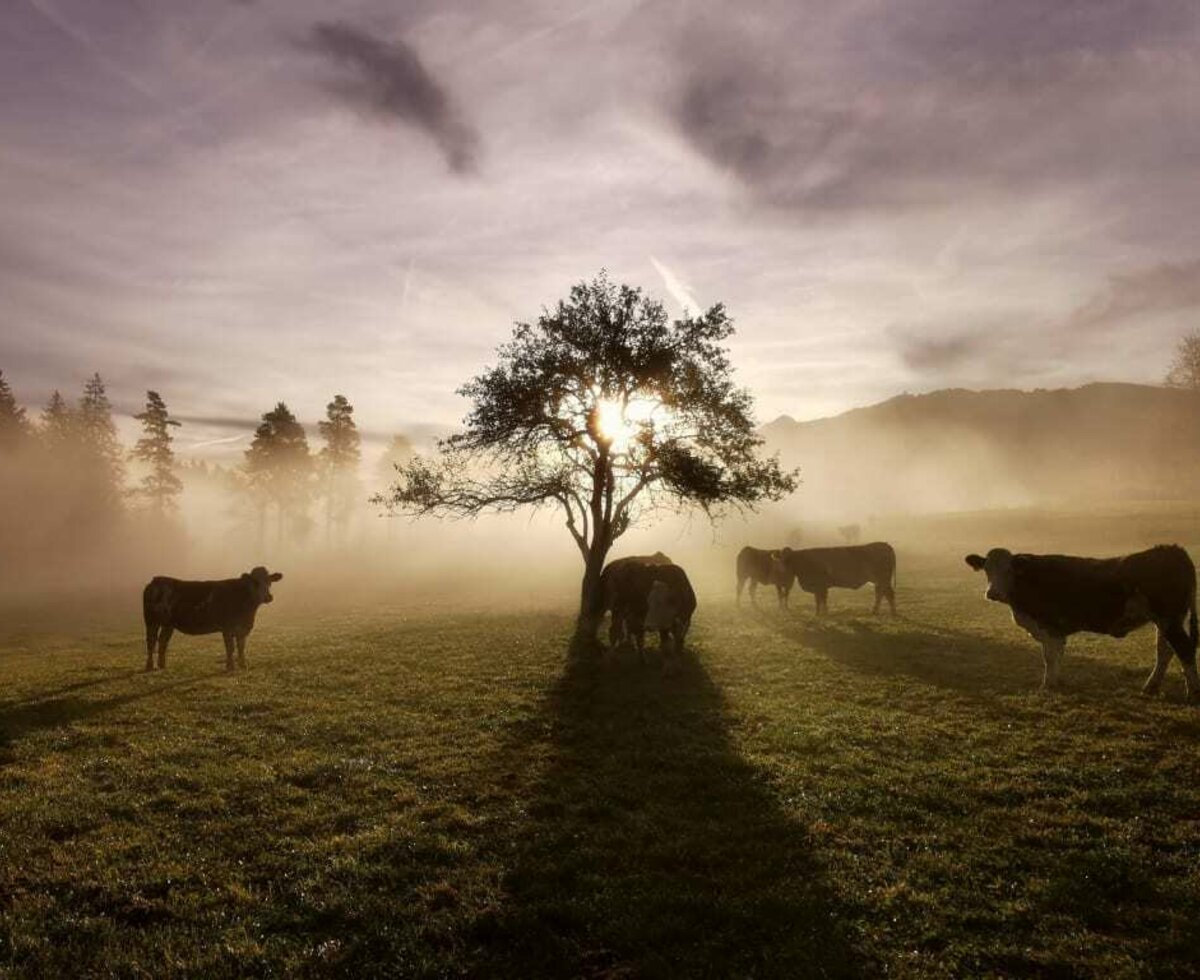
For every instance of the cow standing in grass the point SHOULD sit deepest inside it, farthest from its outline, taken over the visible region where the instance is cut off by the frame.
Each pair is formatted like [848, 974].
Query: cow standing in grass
[761, 567]
[658, 598]
[817, 570]
[610, 582]
[227, 607]
[1053, 596]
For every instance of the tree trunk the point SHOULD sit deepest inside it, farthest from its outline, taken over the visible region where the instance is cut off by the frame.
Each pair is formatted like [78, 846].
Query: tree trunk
[591, 608]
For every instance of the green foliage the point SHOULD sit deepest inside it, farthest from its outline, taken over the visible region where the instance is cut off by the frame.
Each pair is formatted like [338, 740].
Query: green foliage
[161, 486]
[441, 795]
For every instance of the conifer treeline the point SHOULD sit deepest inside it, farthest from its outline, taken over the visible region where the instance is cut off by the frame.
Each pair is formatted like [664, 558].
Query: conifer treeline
[64, 477]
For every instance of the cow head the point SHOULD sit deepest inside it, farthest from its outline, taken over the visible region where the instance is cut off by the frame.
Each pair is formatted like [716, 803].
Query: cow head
[781, 574]
[260, 582]
[998, 567]
[662, 607]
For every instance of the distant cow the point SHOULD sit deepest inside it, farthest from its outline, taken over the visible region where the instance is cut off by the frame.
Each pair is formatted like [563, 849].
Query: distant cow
[227, 607]
[760, 567]
[817, 570]
[609, 580]
[1053, 596]
[658, 598]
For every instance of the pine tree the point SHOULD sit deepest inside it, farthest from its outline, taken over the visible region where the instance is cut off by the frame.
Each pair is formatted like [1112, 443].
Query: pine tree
[102, 454]
[161, 486]
[14, 426]
[57, 424]
[279, 467]
[339, 460]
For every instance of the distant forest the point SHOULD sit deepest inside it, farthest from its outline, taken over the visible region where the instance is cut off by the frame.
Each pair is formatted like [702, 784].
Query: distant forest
[73, 497]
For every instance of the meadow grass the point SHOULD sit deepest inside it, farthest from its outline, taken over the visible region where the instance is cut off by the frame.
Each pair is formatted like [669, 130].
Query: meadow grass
[406, 792]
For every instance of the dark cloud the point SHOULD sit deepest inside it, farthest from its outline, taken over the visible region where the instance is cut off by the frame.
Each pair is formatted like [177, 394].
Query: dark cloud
[998, 345]
[1166, 288]
[388, 79]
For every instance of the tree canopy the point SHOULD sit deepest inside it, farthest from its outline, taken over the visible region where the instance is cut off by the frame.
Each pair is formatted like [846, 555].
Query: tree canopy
[161, 486]
[605, 409]
[1185, 368]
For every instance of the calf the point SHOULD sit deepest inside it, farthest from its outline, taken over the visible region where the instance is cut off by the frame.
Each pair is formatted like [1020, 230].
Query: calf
[760, 567]
[657, 598]
[227, 607]
[817, 570]
[1053, 596]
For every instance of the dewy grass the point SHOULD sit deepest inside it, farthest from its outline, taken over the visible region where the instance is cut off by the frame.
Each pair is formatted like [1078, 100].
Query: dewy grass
[416, 794]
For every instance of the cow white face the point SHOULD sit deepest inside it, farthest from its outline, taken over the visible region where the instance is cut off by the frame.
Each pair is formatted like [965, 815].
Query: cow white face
[998, 567]
[261, 580]
[661, 607]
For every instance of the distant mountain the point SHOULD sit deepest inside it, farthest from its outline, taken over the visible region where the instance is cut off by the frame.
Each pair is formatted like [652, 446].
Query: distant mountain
[966, 450]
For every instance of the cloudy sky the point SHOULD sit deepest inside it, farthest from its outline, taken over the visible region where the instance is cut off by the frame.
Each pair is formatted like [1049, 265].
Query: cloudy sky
[237, 202]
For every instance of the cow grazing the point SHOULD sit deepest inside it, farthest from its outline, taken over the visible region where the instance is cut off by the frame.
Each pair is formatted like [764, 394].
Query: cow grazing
[817, 570]
[658, 598]
[227, 607]
[1053, 596]
[760, 567]
[609, 582]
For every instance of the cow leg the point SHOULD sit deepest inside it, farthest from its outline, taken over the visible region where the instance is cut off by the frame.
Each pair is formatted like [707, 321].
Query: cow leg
[1053, 648]
[241, 649]
[164, 637]
[754, 593]
[615, 630]
[1178, 639]
[1164, 653]
[228, 638]
[891, 598]
[878, 599]
[151, 637]
[741, 585]
[822, 602]
[639, 639]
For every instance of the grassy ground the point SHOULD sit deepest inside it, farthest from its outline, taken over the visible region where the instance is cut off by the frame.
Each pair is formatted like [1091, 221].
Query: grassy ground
[425, 794]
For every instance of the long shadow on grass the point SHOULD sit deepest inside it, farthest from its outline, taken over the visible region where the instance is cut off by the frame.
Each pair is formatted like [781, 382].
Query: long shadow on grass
[958, 660]
[20, 718]
[653, 848]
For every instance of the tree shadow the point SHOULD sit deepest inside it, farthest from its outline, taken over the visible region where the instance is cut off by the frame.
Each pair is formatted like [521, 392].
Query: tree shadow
[968, 663]
[651, 847]
[21, 718]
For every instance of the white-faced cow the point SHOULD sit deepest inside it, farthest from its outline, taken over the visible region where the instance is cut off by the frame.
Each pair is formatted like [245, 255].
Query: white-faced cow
[761, 567]
[227, 607]
[817, 570]
[658, 598]
[1053, 596]
[610, 579]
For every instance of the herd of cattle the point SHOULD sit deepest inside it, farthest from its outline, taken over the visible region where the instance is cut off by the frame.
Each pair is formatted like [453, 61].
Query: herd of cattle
[1050, 596]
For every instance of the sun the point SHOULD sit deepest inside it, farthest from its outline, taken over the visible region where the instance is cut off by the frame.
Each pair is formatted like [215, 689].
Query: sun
[620, 422]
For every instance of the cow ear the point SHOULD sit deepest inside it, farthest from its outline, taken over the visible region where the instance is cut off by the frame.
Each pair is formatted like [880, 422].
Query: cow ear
[976, 561]
[276, 576]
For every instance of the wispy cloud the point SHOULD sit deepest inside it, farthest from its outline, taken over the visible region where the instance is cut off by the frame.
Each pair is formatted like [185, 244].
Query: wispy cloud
[676, 288]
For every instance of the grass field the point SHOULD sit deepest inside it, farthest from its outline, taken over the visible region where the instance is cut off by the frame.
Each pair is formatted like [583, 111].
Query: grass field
[430, 793]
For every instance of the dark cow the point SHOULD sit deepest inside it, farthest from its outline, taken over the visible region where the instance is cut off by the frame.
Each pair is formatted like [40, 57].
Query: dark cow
[1053, 596]
[609, 580]
[227, 607]
[817, 570]
[658, 598]
[760, 567]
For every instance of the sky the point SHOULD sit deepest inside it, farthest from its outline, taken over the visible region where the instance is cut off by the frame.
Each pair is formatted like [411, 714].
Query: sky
[236, 203]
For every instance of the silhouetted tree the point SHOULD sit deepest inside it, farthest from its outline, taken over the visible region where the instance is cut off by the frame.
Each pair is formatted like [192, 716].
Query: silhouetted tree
[1185, 368]
[14, 426]
[279, 466]
[161, 486]
[101, 455]
[339, 459]
[602, 409]
[56, 427]
[399, 452]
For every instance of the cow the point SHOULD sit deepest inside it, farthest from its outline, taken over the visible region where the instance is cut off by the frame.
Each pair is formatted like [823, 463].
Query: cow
[1054, 596]
[658, 598]
[606, 591]
[226, 606]
[761, 567]
[817, 570]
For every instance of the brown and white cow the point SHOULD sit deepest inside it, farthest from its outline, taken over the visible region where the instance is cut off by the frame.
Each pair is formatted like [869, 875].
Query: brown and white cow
[227, 606]
[761, 567]
[658, 598]
[817, 570]
[610, 580]
[1053, 596]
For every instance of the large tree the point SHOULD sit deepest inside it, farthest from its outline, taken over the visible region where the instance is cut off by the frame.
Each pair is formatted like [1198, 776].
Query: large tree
[102, 458]
[604, 409]
[279, 466]
[161, 485]
[1185, 368]
[339, 461]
